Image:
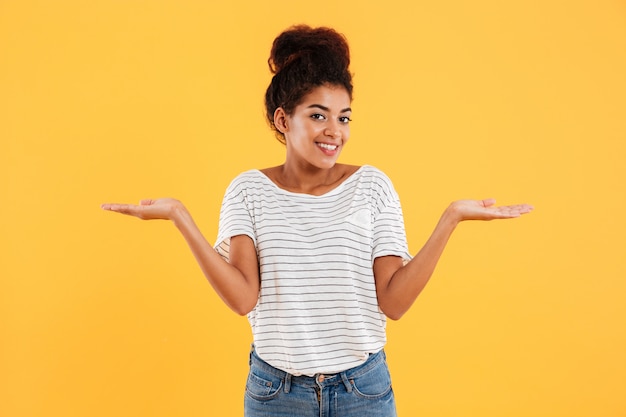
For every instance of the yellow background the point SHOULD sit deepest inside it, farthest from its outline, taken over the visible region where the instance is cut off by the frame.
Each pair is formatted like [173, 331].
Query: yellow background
[104, 315]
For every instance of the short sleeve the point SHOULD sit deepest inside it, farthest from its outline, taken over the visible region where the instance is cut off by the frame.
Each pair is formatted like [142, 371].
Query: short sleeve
[235, 217]
[389, 234]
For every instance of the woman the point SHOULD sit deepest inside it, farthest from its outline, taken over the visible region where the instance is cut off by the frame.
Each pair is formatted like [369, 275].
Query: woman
[314, 251]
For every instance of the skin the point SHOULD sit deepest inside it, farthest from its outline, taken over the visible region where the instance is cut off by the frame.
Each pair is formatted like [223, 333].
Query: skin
[322, 118]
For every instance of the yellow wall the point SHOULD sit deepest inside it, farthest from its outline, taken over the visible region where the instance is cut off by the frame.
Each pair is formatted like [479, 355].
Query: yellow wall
[118, 100]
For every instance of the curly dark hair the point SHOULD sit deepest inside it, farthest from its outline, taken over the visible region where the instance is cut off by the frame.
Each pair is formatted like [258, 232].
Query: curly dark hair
[303, 58]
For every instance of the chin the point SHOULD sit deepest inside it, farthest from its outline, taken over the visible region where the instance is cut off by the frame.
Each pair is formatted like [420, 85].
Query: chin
[327, 164]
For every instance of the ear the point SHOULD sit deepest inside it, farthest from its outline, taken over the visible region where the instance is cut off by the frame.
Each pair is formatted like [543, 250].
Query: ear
[280, 120]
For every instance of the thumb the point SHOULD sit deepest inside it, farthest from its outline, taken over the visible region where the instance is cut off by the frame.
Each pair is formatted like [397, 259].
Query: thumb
[145, 202]
[488, 202]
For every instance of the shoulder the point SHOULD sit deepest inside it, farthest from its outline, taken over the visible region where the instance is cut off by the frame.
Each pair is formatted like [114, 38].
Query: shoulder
[247, 177]
[378, 183]
[374, 175]
[372, 171]
[245, 183]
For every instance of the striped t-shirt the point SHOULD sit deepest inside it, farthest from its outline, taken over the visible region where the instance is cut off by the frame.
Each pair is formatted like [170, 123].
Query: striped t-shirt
[317, 310]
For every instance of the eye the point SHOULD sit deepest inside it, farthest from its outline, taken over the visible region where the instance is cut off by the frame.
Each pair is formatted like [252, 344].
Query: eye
[318, 116]
[345, 119]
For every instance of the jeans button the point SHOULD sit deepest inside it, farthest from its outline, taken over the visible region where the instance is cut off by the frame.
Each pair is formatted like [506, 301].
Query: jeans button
[320, 378]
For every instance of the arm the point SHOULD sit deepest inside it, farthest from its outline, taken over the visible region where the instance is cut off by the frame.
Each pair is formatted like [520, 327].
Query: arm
[398, 286]
[237, 282]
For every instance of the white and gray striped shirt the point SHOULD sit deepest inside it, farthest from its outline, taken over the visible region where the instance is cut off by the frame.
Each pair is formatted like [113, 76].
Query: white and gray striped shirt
[317, 310]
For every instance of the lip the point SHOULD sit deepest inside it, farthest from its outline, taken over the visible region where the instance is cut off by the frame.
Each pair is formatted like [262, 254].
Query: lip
[328, 152]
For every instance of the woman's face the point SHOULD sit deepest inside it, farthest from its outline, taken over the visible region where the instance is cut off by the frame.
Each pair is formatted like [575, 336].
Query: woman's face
[318, 128]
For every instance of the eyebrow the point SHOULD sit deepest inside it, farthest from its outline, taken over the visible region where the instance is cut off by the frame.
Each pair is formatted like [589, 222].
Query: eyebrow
[319, 106]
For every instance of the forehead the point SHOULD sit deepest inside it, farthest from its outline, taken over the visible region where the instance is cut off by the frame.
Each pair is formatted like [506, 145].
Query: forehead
[331, 96]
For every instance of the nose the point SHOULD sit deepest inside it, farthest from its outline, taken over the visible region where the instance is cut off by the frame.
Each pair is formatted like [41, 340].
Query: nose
[333, 131]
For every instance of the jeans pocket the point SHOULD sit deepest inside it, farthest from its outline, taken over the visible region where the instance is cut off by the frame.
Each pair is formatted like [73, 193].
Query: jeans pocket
[262, 386]
[374, 384]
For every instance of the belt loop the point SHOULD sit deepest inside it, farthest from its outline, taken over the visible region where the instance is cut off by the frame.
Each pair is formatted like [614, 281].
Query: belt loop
[287, 382]
[347, 383]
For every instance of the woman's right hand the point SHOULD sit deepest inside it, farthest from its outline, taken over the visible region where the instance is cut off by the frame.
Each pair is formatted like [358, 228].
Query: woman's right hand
[237, 281]
[162, 208]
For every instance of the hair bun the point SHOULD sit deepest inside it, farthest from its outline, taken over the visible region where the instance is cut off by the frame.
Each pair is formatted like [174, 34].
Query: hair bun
[315, 46]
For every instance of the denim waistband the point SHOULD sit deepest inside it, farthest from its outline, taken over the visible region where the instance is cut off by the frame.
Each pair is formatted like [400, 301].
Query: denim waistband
[319, 380]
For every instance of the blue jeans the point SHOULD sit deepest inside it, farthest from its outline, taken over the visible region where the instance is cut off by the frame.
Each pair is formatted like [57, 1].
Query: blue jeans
[363, 391]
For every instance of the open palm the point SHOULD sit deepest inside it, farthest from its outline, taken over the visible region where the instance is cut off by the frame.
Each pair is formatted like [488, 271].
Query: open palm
[162, 208]
[486, 210]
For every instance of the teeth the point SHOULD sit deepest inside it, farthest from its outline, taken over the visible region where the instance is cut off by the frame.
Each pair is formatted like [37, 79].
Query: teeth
[326, 146]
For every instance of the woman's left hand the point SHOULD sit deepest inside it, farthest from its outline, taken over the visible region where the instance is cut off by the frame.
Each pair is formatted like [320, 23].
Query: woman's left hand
[485, 210]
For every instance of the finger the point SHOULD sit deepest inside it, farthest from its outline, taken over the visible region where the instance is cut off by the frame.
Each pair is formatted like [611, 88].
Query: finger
[112, 206]
[508, 214]
[520, 208]
[526, 208]
[513, 210]
[488, 202]
[129, 209]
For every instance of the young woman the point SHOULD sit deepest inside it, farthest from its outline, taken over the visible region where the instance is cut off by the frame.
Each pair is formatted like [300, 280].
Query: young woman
[313, 251]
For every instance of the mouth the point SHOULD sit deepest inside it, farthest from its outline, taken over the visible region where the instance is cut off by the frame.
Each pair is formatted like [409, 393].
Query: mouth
[327, 147]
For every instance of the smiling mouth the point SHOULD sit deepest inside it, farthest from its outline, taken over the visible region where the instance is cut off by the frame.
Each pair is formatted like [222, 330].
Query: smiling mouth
[327, 146]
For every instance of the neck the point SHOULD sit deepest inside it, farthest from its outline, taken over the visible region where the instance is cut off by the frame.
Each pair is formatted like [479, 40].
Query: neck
[308, 179]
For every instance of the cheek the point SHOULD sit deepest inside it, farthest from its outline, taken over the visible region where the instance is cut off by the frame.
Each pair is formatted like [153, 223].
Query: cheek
[315, 131]
[345, 134]
[303, 129]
